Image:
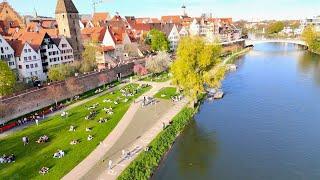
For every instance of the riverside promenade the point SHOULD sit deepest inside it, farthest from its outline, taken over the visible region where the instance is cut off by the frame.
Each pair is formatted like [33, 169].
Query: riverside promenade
[138, 127]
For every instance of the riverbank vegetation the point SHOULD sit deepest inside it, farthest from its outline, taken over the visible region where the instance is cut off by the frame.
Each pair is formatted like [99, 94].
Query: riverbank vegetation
[147, 162]
[312, 39]
[32, 157]
[197, 65]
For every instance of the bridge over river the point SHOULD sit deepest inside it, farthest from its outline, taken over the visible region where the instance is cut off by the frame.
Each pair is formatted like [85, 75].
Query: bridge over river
[249, 42]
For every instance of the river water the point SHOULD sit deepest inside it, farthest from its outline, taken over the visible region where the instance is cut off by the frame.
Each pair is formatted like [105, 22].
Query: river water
[266, 127]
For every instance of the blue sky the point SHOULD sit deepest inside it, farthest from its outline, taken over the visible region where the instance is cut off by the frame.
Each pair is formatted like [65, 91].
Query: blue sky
[238, 9]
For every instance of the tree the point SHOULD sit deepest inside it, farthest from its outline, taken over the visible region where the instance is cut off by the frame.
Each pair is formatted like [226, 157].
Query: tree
[73, 86]
[275, 27]
[7, 79]
[62, 72]
[140, 70]
[89, 59]
[311, 37]
[158, 63]
[158, 40]
[56, 93]
[197, 65]
[103, 79]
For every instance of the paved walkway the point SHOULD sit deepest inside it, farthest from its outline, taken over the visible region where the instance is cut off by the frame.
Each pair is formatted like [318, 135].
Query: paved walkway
[95, 165]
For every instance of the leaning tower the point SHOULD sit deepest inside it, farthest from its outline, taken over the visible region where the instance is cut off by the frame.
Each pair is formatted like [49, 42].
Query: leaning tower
[67, 17]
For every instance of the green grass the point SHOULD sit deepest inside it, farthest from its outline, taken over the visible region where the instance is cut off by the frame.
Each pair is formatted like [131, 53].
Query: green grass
[31, 158]
[162, 77]
[145, 164]
[166, 93]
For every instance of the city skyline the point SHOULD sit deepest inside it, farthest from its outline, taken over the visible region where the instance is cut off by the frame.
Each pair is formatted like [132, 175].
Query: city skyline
[237, 9]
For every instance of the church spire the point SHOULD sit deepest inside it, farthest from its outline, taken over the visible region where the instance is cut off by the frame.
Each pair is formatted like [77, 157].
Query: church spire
[65, 6]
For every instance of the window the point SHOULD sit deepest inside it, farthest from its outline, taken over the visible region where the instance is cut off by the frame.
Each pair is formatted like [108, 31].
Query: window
[0, 40]
[25, 58]
[36, 65]
[31, 65]
[29, 50]
[20, 67]
[27, 66]
[34, 57]
[30, 73]
[25, 50]
[29, 58]
[36, 72]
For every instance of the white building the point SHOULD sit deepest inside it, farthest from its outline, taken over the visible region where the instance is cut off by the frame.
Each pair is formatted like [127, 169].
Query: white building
[29, 63]
[174, 38]
[315, 21]
[7, 53]
[66, 51]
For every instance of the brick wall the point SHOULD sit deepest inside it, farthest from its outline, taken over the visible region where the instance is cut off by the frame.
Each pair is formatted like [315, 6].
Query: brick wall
[24, 103]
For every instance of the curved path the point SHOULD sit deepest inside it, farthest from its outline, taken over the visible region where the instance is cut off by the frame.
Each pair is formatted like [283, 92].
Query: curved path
[94, 166]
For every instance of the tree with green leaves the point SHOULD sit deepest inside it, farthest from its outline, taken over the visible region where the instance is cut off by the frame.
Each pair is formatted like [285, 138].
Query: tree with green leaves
[158, 63]
[158, 40]
[89, 62]
[61, 72]
[198, 65]
[311, 38]
[7, 79]
[275, 27]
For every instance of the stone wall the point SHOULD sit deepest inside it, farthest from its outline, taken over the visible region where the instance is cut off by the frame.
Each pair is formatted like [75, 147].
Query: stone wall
[24, 103]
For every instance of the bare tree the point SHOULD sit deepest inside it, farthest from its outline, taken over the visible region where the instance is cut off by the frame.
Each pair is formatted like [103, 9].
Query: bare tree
[103, 79]
[55, 92]
[73, 86]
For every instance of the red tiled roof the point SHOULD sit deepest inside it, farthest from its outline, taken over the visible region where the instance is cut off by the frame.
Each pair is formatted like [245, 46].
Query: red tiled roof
[106, 48]
[94, 34]
[33, 38]
[17, 46]
[171, 19]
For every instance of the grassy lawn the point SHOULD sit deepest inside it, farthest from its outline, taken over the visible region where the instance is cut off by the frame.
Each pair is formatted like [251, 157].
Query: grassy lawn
[162, 77]
[30, 158]
[166, 93]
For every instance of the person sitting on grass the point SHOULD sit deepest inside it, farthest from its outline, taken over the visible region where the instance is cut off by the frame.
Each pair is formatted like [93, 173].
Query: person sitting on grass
[88, 129]
[44, 170]
[74, 142]
[90, 138]
[72, 128]
[43, 139]
[59, 154]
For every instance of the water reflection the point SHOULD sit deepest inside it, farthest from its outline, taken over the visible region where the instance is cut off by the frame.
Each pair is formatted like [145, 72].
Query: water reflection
[310, 62]
[193, 158]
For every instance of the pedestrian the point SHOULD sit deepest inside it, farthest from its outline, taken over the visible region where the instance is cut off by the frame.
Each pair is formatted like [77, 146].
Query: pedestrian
[123, 153]
[37, 122]
[25, 140]
[163, 125]
[110, 164]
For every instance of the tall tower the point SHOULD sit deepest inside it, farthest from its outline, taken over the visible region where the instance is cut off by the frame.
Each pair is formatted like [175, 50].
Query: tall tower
[68, 19]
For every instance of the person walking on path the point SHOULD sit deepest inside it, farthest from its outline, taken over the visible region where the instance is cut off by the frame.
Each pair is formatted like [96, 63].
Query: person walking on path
[37, 122]
[110, 164]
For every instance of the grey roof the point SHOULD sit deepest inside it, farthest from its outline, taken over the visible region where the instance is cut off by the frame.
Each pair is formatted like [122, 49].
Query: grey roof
[65, 6]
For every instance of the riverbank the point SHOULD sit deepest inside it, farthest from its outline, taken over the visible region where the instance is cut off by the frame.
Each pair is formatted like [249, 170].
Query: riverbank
[231, 58]
[145, 164]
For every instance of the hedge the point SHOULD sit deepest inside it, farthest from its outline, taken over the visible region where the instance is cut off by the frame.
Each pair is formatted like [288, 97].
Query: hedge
[147, 162]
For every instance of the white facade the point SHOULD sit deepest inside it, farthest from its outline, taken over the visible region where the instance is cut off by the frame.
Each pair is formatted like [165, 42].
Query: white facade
[174, 38]
[194, 28]
[7, 53]
[29, 64]
[52, 52]
[183, 32]
[315, 21]
[66, 51]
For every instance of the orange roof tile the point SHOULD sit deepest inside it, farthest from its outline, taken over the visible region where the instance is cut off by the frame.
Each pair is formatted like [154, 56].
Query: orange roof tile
[171, 19]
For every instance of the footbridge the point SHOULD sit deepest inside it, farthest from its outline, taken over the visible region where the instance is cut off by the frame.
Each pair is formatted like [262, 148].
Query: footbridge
[252, 42]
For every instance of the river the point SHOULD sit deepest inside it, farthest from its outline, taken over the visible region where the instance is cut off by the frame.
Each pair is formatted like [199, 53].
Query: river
[266, 127]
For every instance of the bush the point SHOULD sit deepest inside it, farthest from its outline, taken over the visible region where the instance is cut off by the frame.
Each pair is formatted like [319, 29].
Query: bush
[145, 164]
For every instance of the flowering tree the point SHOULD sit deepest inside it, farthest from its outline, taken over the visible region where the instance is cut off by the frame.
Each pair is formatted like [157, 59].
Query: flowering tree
[158, 63]
[140, 70]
